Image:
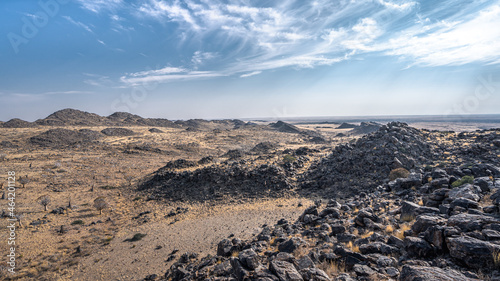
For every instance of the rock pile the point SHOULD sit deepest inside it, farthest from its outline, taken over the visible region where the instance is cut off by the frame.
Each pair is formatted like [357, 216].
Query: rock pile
[63, 137]
[214, 182]
[377, 236]
[366, 163]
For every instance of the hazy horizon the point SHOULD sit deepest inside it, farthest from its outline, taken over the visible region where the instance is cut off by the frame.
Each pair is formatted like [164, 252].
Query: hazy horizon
[259, 59]
[494, 117]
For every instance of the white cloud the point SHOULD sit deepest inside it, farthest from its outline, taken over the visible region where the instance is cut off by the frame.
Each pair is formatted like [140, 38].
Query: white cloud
[97, 6]
[134, 79]
[79, 24]
[454, 44]
[162, 71]
[254, 39]
[200, 57]
[250, 74]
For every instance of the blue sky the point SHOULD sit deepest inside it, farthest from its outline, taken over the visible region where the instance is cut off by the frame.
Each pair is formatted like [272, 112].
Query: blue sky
[242, 58]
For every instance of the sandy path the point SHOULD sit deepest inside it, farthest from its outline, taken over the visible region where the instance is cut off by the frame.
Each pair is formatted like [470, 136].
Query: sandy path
[199, 233]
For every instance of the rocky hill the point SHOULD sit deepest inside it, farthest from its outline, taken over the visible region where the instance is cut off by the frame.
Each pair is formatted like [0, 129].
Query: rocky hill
[443, 226]
[367, 162]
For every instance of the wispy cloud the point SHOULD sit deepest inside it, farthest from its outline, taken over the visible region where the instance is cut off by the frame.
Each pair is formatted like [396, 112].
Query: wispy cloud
[454, 44]
[96, 6]
[201, 57]
[166, 74]
[251, 39]
[250, 74]
[79, 24]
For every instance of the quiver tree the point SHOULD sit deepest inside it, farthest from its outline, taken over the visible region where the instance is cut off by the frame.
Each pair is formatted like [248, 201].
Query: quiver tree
[44, 200]
[24, 181]
[100, 204]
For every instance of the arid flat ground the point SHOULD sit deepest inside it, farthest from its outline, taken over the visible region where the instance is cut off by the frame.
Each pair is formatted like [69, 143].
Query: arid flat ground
[70, 173]
[93, 246]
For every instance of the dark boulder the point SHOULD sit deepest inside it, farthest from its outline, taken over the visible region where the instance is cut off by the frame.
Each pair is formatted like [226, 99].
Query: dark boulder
[425, 273]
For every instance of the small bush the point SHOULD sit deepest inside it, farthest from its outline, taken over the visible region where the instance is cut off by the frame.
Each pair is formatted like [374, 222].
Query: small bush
[289, 159]
[77, 222]
[462, 181]
[136, 237]
[398, 173]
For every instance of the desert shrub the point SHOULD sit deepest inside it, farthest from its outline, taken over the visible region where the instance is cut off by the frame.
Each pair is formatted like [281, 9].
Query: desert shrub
[24, 181]
[100, 204]
[44, 200]
[289, 159]
[79, 222]
[136, 237]
[462, 181]
[398, 173]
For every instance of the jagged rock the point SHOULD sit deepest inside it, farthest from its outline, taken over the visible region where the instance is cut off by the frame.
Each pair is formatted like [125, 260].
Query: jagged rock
[337, 229]
[421, 273]
[377, 248]
[225, 248]
[464, 203]
[394, 241]
[491, 235]
[424, 222]
[363, 270]
[314, 274]
[418, 247]
[392, 272]
[249, 259]
[473, 252]
[305, 262]
[344, 277]
[435, 236]
[240, 272]
[468, 191]
[291, 245]
[285, 271]
[330, 212]
[468, 222]
[410, 210]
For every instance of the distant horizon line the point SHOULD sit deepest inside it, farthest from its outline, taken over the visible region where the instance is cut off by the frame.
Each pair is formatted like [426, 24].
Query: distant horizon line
[323, 118]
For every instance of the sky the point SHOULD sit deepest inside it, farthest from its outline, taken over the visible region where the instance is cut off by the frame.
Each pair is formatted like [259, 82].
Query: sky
[249, 58]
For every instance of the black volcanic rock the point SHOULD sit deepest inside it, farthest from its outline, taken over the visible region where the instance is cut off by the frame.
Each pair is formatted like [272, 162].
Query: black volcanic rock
[215, 182]
[365, 128]
[72, 117]
[17, 123]
[285, 127]
[367, 162]
[118, 132]
[155, 130]
[347, 126]
[63, 137]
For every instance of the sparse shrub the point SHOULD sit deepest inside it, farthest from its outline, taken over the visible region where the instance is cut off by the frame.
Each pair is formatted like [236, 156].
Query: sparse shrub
[352, 247]
[289, 159]
[3, 156]
[79, 222]
[400, 232]
[332, 268]
[496, 258]
[137, 198]
[398, 173]
[462, 181]
[389, 229]
[136, 237]
[100, 204]
[24, 181]
[44, 200]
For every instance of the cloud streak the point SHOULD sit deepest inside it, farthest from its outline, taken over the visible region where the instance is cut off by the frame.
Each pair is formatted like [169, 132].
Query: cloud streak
[250, 39]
